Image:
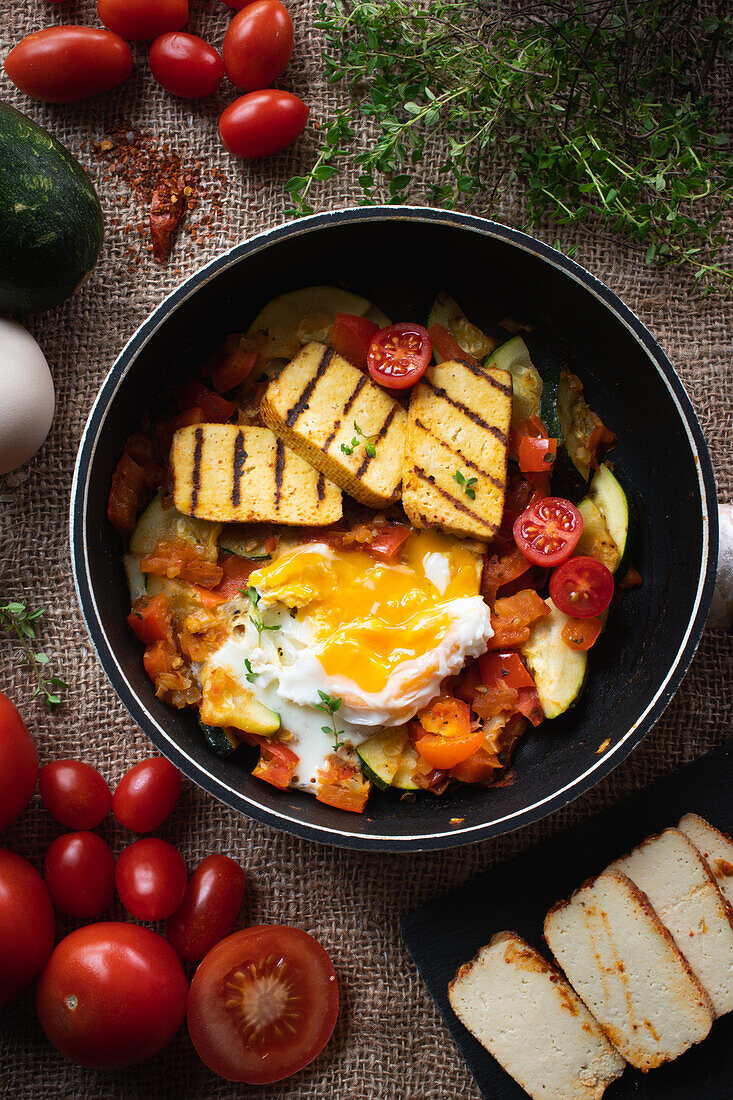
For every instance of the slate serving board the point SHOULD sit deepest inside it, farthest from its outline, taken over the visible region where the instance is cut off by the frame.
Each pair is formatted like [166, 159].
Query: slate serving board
[516, 896]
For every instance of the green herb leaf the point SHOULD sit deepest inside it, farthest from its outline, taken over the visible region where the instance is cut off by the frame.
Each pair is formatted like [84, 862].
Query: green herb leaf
[16, 619]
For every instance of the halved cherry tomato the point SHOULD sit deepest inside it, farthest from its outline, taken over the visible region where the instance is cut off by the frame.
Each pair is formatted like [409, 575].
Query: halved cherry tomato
[79, 870]
[185, 65]
[582, 587]
[581, 633]
[445, 752]
[351, 337]
[261, 124]
[536, 455]
[276, 765]
[74, 793]
[151, 618]
[128, 482]
[448, 348]
[151, 878]
[147, 794]
[68, 64]
[507, 668]
[262, 1004]
[386, 545]
[210, 907]
[398, 356]
[141, 20]
[18, 763]
[258, 45]
[548, 531]
[216, 409]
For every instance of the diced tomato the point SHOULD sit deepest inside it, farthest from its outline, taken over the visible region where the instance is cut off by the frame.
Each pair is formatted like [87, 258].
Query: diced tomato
[507, 668]
[581, 633]
[141, 449]
[277, 763]
[499, 571]
[184, 560]
[151, 618]
[479, 767]
[342, 786]
[231, 363]
[536, 455]
[528, 704]
[351, 337]
[492, 699]
[128, 482]
[465, 684]
[600, 439]
[386, 545]
[158, 659]
[513, 616]
[632, 579]
[443, 734]
[533, 426]
[446, 716]
[447, 347]
[215, 408]
[205, 597]
[236, 572]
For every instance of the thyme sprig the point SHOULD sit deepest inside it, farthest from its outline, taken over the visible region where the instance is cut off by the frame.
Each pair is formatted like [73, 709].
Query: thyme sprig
[600, 108]
[468, 484]
[16, 619]
[330, 704]
[255, 618]
[359, 438]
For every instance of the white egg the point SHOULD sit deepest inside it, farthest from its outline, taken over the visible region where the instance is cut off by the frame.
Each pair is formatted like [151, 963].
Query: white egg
[26, 396]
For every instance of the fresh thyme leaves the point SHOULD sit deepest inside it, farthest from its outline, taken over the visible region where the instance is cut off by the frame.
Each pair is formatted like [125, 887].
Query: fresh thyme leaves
[600, 108]
[329, 704]
[15, 618]
[256, 619]
[466, 483]
[251, 676]
[367, 440]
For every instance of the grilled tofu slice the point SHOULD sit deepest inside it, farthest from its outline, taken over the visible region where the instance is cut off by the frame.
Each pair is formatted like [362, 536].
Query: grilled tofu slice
[233, 474]
[523, 1011]
[624, 964]
[458, 422]
[680, 886]
[314, 403]
[715, 847]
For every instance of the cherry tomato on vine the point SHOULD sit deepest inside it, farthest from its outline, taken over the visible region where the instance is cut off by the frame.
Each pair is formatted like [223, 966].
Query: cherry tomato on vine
[582, 587]
[398, 356]
[210, 906]
[258, 45]
[74, 793]
[111, 995]
[548, 530]
[68, 64]
[18, 763]
[146, 795]
[185, 65]
[244, 992]
[79, 870]
[27, 924]
[141, 20]
[151, 878]
[261, 124]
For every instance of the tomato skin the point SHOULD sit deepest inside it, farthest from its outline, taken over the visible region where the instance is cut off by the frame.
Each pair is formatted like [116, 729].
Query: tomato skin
[386, 545]
[548, 530]
[18, 763]
[214, 1028]
[151, 878]
[210, 907]
[74, 793]
[185, 65]
[79, 870]
[146, 795]
[582, 587]
[111, 995]
[398, 356]
[351, 336]
[261, 124]
[582, 634]
[258, 45]
[27, 924]
[237, 5]
[143, 20]
[448, 347]
[68, 64]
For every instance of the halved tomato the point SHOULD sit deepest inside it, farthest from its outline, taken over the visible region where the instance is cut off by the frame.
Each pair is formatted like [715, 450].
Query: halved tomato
[548, 531]
[398, 356]
[582, 587]
[263, 1004]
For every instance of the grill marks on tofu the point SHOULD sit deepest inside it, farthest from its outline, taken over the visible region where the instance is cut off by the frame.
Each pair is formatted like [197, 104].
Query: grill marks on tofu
[313, 404]
[232, 474]
[459, 419]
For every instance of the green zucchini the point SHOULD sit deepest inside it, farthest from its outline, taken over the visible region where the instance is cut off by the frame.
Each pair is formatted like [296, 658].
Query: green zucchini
[292, 320]
[180, 594]
[596, 540]
[445, 311]
[616, 508]
[513, 356]
[403, 780]
[157, 523]
[50, 217]
[136, 579]
[381, 755]
[566, 416]
[221, 739]
[558, 671]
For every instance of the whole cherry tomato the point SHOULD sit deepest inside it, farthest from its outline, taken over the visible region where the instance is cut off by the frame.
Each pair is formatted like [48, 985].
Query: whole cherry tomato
[548, 531]
[185, 65]
[68, 64]
[74, 793]
[146, 795]
[151, 878]
[79, 870]
[258, 45]
[398, 355]
[262, 123]
[210, 906]
[143, 20]
[248, 990]
[582, 587]
[111, 995]
[27, 924]
[18, 763]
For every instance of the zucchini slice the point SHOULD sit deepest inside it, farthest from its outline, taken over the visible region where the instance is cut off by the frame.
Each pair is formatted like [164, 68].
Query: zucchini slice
[567, 417]
[221, 739]
[180, 594]
[513, 355]
[615, 507]
[136, 580]
[381, 755]
[403, 780]
[158, 523]
[558, 671]
[243, 545]
[445, 311]
[292, 320]
[596, 540]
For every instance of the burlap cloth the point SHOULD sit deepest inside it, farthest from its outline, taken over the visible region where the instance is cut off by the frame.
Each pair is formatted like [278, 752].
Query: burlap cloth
[389, 1041]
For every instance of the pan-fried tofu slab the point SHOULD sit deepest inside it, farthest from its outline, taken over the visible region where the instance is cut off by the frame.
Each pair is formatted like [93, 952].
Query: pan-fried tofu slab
[716, 847]
[314, 403]
[458, 423]
[624, 964]
[680, 886]
[522, 1010]
[233, 474]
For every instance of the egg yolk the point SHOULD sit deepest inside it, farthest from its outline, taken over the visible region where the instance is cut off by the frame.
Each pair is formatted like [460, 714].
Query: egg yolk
[368, 617]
